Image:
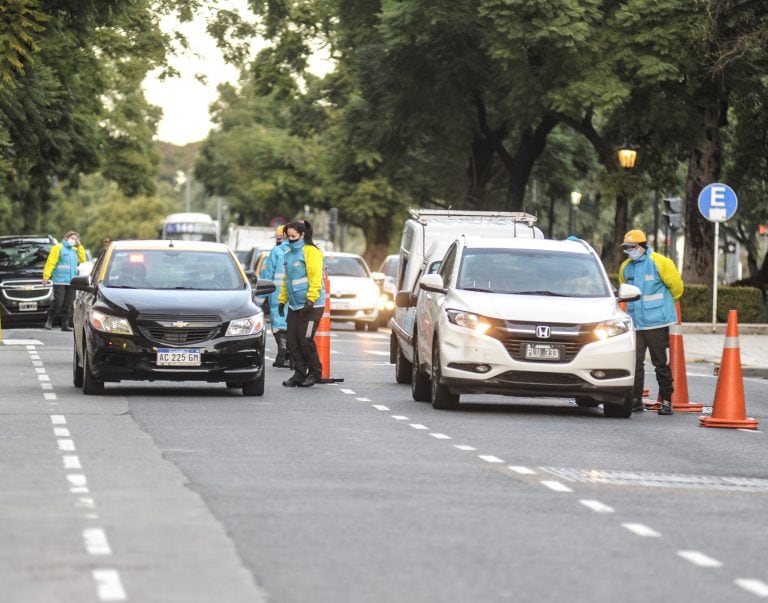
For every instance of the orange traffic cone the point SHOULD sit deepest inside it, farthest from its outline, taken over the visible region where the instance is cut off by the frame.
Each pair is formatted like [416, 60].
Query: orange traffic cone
[323, 336]
[680, 402]
[646, 392]
[729, 408]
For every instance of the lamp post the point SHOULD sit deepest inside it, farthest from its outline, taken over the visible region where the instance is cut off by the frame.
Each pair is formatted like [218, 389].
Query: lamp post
[627, 155]
[572, 207]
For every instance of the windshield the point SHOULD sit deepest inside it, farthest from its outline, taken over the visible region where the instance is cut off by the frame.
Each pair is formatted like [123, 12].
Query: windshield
[19, 254]
[173, 269]
[346, 266]
[532, 272]
[389, 268]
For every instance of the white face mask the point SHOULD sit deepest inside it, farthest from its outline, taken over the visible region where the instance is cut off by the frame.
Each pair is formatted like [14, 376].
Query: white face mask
[634, 253]
[72, 242]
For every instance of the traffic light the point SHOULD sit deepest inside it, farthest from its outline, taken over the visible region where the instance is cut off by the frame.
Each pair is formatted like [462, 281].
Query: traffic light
[673, 212]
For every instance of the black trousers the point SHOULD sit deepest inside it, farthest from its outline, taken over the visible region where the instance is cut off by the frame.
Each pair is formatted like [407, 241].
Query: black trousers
[656, 341]
[302, 326]
[63, 300]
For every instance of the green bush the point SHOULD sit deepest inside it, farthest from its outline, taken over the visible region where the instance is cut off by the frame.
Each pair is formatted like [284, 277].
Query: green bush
[696, 303]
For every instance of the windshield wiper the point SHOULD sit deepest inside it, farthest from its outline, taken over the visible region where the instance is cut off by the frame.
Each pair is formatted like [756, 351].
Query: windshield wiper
[481, 289]
[544, 292]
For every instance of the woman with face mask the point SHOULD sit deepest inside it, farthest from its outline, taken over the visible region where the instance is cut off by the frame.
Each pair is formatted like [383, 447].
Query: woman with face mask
[60, 268]
[303, 292]
[661, 288]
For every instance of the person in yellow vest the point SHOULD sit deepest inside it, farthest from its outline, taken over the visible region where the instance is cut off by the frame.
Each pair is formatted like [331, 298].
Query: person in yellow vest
[60, 268]
[661, 287]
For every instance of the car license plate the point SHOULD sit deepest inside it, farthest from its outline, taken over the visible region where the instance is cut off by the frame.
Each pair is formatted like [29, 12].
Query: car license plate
[339, 305]
[178, 357]
[27, 306]
[542, 351]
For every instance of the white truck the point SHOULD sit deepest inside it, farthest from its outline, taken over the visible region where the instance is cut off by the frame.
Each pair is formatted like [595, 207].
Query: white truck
[427, 233]
[241, 239]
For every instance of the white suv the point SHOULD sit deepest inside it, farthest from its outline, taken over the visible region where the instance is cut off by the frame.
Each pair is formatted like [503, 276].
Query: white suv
[523, 317]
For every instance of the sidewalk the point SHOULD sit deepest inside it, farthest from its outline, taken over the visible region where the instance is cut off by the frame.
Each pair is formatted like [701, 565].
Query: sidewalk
[702, 345]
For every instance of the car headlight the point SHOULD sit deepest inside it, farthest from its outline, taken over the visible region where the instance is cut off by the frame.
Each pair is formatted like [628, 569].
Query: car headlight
[246, 326]
[386, 302]
[109, 324]
[468, 320]
[611, 328]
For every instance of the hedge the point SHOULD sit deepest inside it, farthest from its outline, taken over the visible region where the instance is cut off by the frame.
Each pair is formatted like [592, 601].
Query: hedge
[696, 303]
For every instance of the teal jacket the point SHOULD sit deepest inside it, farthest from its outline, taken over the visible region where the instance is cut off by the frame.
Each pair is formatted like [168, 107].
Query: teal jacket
[661, 286]
[304, 267]
[274, 270]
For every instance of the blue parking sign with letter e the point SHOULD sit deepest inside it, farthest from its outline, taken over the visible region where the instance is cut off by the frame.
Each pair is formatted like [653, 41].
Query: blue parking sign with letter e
[718, 202]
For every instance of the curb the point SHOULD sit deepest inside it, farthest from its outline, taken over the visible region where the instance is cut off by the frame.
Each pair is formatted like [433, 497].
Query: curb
[705, 328]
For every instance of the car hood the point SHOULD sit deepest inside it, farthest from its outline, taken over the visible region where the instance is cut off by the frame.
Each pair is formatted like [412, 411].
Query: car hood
[227, 304]
[534, 308]
[21, 273]
[351, 284]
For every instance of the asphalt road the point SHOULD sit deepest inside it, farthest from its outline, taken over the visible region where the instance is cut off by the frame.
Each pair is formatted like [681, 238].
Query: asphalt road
[352, 492]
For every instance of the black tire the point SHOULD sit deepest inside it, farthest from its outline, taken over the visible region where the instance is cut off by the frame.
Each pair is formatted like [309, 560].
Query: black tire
[91, 385]
[231, 385]
[77, 371]
[255, 387]
[403, 368]
[373, 326]
[619, 411]
[442, 398]
[419, 379]
[586, 402]
[359, 325]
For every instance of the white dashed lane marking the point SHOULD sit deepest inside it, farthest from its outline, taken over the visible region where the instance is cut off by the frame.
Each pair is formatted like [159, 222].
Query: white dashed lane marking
[521, 470]
[66, 445]
[400, 418]
[489, 458]
[596, 506]
[49, 396]
[71, 461]
[108, 585]
[699, 559]
[347, 391]
[640, 529]
[756, 587]
[465, 447]
[58, 419]
[418, 426]
[555, 486]
[380, 407]
[61, 432]
[440, 436]
[362, 399]
[96, 542]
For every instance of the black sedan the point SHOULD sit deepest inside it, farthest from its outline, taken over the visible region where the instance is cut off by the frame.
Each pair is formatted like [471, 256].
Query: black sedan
[168, 311]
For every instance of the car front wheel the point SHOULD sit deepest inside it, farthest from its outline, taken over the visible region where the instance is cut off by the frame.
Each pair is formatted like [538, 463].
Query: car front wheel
[619, 411]
[442, 398]
[91, 385]
[77, 371]
[419, 380]
[255, 387]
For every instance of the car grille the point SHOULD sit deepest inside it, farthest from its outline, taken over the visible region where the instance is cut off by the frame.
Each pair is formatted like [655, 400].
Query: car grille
[171, 330]
[25, 290]
[343, 295]
[533, 378]
[572, 337]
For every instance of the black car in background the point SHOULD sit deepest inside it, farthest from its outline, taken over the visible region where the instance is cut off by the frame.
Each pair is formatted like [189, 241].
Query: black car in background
[168, 311]
[23, 296]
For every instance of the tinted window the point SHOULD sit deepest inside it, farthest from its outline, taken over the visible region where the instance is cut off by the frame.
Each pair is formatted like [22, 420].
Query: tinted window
[172, 269]
[346, 266]
[446, 267]
[532, 272]
[19, 254]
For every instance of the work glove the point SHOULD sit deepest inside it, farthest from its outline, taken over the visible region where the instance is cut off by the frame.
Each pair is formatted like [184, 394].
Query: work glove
[281, 309]
[308, 305]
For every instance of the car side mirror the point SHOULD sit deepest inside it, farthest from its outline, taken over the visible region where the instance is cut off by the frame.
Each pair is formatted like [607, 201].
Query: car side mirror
[82, 283]
[628, 293]
[251, 276]
[404, 299]
[432, 282]
[263, 287]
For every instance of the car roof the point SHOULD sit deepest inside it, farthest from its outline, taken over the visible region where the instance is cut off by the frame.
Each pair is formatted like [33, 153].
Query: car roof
[32, 238]
[178, 245]
[478, 242]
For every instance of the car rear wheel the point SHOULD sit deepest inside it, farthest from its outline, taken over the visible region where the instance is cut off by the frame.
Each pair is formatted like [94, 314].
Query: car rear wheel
[403, 368]
[442, 398]
[77, 371]
[91, 385]
[255, 387]
[419, 380]
[619, 411]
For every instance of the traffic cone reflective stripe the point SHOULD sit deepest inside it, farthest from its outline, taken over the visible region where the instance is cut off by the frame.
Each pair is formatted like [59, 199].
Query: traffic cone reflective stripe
[729, 408]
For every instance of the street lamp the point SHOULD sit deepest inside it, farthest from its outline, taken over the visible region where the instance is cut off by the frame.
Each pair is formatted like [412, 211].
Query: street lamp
[627, 156]
[574, 205]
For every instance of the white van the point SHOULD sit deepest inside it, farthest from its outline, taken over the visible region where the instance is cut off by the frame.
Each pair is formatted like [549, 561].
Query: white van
[427, 233]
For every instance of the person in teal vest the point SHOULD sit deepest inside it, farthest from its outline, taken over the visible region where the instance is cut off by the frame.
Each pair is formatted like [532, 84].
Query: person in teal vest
[60, 268]
[274, 270]
[661, 287]
[303, 292]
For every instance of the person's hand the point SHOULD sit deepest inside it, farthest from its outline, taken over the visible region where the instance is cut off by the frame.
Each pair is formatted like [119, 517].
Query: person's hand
[46, 281]
[308, 305]
[281, 309]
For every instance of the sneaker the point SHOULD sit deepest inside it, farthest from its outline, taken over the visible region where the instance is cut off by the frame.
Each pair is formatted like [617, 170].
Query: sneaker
[665, 408]
[637, 406]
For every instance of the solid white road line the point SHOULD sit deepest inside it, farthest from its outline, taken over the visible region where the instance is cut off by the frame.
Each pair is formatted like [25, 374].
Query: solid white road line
[521, 470]
[380, 407]
[756, 587]
[641, 530]
[96, 542]
[108, 584]
[596, 506]
[699, 559]
[440, 436]
[555, 485]
[464, 447]
[489, 458]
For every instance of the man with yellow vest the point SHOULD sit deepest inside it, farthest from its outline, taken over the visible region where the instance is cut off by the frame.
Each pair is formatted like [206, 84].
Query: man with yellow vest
[661, 286]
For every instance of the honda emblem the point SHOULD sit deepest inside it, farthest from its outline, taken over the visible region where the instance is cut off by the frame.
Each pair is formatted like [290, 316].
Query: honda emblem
[543, 332]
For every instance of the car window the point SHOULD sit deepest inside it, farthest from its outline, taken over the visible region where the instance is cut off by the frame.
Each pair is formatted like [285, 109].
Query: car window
[446, 265]
[172, 269]
[389, 267]
[19, 254]
[532, 272]
[346, 266]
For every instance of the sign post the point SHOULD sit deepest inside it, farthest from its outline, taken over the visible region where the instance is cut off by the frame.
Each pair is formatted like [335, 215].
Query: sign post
[717, 203]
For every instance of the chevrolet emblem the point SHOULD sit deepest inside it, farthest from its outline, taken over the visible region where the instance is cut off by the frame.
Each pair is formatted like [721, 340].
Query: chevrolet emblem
[179, 324]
